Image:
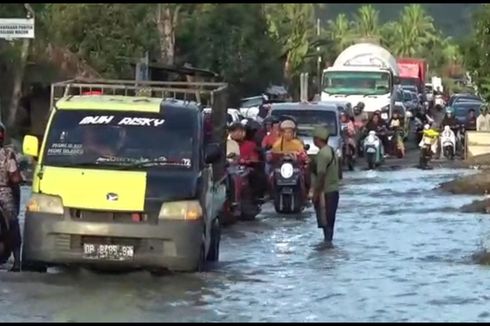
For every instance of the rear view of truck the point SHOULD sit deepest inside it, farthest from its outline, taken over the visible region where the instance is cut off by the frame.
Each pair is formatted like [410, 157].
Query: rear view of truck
[412, 72]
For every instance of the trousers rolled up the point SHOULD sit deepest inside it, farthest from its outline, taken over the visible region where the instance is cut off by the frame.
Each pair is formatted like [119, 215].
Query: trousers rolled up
[326, 215]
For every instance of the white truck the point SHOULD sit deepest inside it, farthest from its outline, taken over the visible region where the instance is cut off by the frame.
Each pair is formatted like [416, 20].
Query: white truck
[363, 72]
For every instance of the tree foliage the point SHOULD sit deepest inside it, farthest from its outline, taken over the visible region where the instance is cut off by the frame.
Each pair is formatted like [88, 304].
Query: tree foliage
[248, 45]
[476, 51]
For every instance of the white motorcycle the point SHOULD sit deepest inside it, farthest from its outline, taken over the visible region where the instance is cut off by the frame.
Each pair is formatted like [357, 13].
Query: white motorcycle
[373, 150]
[448, 143]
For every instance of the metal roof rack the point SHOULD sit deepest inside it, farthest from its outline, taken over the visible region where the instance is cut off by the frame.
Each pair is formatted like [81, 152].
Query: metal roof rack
[202, 93]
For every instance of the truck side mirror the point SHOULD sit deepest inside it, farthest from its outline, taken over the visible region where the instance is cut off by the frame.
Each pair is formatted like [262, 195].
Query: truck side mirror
[30, 146]
[212, 153]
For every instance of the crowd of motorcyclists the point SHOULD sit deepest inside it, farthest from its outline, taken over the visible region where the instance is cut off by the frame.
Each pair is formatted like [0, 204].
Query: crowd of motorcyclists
[259, 146]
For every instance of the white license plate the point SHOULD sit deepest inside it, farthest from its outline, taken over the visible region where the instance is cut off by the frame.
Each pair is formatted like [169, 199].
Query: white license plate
[371, 150]
[108, 252]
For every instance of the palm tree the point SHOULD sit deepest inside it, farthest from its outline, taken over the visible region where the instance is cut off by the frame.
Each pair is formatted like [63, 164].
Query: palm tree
[366, 22]
[414, 31]
[341, 33]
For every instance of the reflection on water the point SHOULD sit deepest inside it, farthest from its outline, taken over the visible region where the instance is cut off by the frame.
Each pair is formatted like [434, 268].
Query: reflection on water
[402, 253]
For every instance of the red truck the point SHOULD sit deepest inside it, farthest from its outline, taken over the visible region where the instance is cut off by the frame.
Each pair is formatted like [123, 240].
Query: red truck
[412, 72]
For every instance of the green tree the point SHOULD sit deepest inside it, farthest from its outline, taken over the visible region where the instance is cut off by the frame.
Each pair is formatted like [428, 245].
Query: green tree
[108, 36]
[341, 32]
[366, 23]
[232, 40]
[476, 51]
[292, 26]
[413, 32]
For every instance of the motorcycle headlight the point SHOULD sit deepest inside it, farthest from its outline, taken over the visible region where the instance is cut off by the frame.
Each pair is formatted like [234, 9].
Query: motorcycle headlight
[188, 210]
[287, 170]
[41, 203]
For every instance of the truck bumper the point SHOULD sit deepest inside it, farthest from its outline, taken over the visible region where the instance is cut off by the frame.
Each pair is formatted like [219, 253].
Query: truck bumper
[57, 240]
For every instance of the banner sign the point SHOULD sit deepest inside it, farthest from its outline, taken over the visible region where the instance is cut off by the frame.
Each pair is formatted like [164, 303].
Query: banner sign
[11, 28]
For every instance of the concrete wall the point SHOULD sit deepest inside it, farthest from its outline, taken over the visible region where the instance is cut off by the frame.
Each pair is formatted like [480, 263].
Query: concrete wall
[477, 143]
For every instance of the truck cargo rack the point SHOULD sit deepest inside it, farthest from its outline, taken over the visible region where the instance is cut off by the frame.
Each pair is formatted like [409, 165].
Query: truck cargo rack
[202, 93]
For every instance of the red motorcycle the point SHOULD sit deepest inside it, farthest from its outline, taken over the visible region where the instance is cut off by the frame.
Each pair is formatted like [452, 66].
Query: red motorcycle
[240, 203]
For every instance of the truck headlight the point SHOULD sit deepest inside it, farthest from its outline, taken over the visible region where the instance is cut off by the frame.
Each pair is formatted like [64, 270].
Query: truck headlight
[287, 170]
[41, 203]
[189, 210]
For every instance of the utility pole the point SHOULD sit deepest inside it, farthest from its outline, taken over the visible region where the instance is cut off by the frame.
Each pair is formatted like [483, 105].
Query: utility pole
[319, 60]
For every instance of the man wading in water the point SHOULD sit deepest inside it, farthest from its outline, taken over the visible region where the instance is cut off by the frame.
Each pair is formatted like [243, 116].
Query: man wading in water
[325, 183]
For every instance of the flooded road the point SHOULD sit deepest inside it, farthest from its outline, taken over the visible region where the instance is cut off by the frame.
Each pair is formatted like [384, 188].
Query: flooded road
[402, 253]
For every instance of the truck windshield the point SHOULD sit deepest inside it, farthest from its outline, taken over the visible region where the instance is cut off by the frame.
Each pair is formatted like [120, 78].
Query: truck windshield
[310, 118]
[123, 139]
[356, 82]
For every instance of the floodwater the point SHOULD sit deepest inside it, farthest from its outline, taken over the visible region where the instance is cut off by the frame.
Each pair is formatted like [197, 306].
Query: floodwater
[402, 253]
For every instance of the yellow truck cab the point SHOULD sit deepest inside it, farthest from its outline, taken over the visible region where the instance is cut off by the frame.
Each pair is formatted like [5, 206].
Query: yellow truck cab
[126, 180]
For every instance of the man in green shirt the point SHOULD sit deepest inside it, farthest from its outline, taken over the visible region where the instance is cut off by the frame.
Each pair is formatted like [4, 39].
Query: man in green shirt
[325, 183]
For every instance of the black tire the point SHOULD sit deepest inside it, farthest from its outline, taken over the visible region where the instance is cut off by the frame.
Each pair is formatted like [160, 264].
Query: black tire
[201, 263]
[371, 161]
[286, 203]
[213, 253]
[30, 266]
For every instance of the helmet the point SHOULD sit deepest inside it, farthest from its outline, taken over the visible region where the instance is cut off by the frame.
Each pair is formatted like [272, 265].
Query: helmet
[288, 124]
[271, 120]
[426, 126]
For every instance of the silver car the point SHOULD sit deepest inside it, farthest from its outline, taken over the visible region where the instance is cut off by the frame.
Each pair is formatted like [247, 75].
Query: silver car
[307, 116]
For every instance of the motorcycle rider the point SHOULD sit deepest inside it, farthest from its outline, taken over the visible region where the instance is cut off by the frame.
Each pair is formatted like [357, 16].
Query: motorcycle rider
[287, 143]
[249, 155]
[248, 148]
[397, 123]
[360, 117]
[378, 125]
[349, 131]
[450, 120]
[325, 183]
[274, 133]
[10, 178]
[471, 120]
[232, 147]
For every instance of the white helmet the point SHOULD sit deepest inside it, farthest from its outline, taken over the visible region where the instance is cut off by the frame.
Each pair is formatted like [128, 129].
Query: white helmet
[426, 126]
[408, 114]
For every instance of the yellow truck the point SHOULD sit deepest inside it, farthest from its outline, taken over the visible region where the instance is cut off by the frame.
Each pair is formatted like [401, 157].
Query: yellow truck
[127, 176]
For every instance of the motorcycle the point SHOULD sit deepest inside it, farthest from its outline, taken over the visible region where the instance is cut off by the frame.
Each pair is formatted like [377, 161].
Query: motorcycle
[289, 187]
[428, 147]
[373, 150]
[448, 143]
[240, 203]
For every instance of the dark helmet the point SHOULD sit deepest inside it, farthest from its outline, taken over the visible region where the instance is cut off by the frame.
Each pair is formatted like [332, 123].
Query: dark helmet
[270, 120]
[358, 108]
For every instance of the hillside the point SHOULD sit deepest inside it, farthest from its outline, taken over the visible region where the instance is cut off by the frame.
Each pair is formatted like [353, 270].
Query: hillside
[453, 19]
